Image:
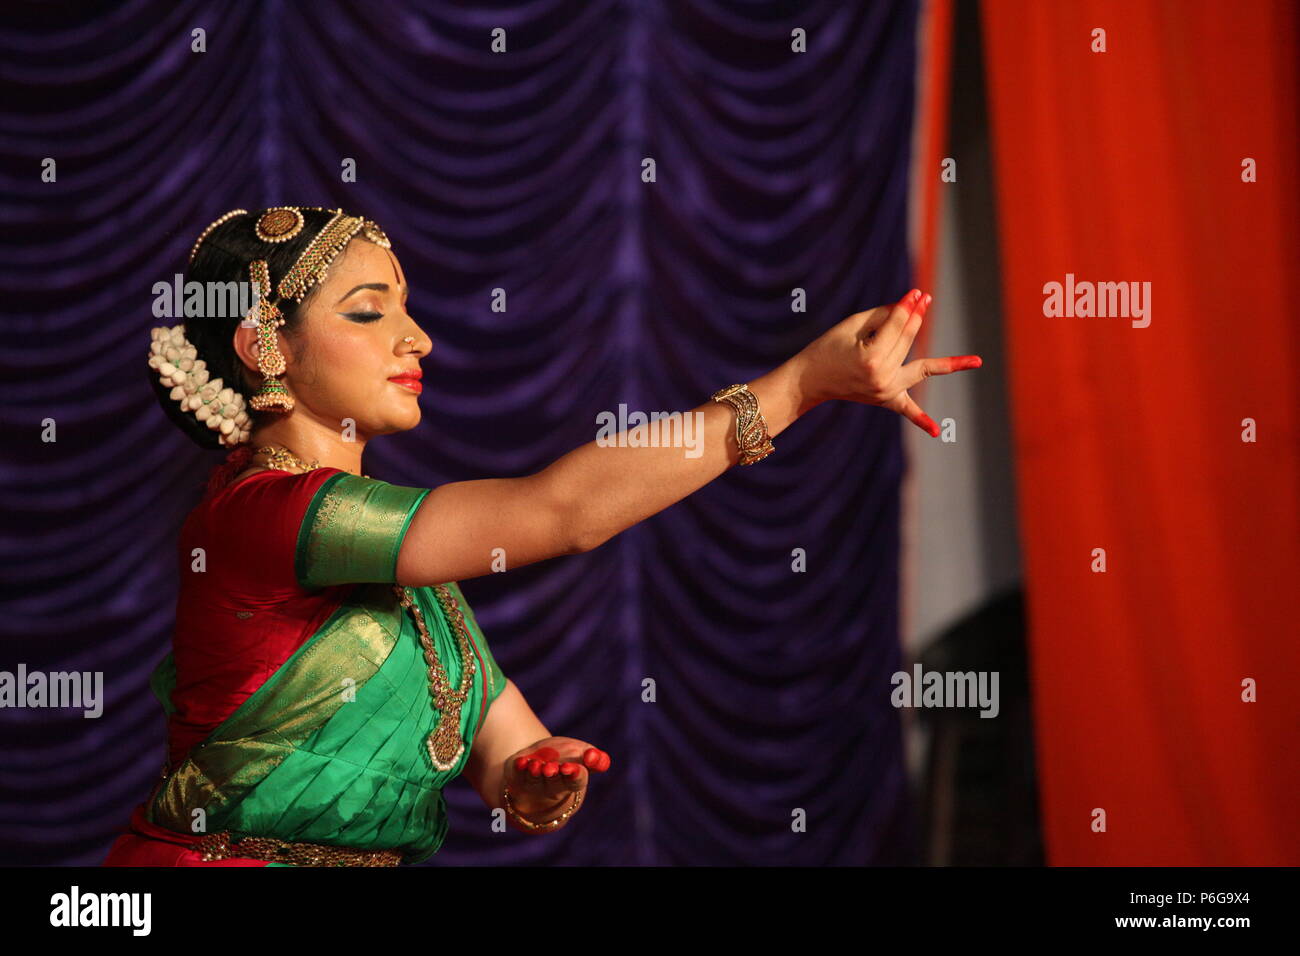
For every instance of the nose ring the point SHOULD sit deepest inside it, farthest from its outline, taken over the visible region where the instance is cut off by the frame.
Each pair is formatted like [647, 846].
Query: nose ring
[409, 340]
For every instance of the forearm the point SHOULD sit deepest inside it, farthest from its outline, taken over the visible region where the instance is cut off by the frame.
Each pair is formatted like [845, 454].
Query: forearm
[487, 780]
[609, 488]
[511, 726]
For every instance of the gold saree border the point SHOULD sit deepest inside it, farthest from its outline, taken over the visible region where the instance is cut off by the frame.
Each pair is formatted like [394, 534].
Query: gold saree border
[293, 703]
[353, 530]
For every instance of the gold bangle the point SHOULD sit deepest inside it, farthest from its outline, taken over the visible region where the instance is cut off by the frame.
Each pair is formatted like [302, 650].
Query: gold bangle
[751, 428]
[576, 801]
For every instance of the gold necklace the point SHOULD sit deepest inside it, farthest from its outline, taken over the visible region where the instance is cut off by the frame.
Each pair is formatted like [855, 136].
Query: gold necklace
[283, 459]
[445, 744]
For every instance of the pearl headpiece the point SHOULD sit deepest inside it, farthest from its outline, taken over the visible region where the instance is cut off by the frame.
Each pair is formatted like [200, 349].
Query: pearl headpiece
[212, 402]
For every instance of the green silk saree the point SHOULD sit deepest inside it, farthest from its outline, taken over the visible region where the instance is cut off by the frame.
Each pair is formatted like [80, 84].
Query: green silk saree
[330, 749]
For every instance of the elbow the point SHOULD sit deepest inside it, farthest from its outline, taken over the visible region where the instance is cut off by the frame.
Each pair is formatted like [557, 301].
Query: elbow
[579, 535]
[573, 528]
[580, 542]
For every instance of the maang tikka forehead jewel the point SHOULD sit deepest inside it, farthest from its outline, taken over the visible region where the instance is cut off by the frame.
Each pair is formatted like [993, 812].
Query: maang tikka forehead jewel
[324, 249]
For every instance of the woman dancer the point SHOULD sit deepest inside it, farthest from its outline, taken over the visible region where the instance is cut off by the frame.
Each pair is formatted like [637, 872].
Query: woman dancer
[327, 677]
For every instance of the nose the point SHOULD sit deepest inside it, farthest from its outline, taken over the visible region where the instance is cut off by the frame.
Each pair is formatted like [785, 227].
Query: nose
[416, 341]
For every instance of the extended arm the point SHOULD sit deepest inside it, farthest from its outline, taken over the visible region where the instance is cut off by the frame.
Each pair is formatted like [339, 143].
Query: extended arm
[596, 491]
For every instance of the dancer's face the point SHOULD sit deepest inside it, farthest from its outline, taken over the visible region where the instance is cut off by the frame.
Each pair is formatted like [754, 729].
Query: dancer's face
[350, 345]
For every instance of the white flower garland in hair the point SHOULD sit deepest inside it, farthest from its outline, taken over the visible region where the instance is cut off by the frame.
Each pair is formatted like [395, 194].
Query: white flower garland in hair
[218, 406]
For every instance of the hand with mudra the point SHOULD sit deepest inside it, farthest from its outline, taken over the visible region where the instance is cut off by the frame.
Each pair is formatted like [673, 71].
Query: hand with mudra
[547, 785]
[861, 359]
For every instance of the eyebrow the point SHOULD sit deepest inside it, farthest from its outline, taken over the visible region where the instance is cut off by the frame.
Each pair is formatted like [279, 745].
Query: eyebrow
[377, 286]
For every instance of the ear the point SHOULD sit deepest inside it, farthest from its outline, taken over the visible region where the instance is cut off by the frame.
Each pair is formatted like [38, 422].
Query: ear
[245, 345]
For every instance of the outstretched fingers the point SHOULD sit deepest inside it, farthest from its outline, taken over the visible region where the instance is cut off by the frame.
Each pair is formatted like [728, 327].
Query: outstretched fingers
[913, 372]
[892, 327]
[908, 408]
[908, 334]
[923, 368]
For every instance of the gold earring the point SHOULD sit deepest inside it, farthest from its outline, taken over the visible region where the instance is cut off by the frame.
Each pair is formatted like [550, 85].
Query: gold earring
[272, 396]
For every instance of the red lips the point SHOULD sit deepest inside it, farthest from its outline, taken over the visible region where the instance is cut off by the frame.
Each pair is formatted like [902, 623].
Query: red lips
[409, 380]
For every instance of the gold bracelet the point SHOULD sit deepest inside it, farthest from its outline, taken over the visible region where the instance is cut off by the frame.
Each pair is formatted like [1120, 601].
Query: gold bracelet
[751, 428]
[576, 799]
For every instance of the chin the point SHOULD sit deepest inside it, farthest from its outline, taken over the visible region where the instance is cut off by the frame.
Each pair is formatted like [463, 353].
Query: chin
[404, 420]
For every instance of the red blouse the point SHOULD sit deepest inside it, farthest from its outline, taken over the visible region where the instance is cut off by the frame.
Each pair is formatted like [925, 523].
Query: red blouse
[245, 615]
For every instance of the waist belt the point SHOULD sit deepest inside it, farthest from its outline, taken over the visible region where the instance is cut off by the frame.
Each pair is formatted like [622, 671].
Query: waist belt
[218, 846]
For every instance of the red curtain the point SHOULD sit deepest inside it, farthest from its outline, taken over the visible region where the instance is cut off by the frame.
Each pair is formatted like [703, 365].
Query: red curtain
[1127, 166]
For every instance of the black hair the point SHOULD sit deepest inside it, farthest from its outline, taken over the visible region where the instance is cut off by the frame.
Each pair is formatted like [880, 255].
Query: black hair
[224, 256]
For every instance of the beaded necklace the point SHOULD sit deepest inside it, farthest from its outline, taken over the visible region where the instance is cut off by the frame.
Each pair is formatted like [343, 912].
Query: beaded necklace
[445, 744]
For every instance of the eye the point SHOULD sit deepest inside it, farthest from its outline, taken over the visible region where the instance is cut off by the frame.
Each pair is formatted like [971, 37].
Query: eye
[363, 316]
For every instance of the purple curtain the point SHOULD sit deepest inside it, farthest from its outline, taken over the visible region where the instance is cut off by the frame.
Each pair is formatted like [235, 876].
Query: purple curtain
[519, 171]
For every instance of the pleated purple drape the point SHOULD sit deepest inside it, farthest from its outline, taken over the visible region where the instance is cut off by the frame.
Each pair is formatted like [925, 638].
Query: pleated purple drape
[518, 171]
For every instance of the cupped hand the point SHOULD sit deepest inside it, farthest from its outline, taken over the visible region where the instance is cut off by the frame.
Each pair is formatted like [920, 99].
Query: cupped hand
[861, 360]
[543, 774]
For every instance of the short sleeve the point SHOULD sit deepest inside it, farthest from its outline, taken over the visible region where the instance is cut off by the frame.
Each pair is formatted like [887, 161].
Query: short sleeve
[352, 531]
[496, 679]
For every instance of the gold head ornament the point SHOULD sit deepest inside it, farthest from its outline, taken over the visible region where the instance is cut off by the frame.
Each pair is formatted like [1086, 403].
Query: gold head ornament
[277, 225]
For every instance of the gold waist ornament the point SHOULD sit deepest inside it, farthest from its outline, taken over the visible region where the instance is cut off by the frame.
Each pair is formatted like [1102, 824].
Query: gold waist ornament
[219, 846]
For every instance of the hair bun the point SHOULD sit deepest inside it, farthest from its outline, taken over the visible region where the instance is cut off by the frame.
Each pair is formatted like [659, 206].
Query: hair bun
[209, 400]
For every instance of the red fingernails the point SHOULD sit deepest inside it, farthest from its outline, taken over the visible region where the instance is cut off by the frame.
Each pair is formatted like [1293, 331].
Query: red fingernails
[971, 361]
[596, 760]
[928, 424]
[546, 762]
[925, 303]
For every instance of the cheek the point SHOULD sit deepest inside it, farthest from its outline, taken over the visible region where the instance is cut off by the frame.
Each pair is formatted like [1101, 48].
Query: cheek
[347, 363]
